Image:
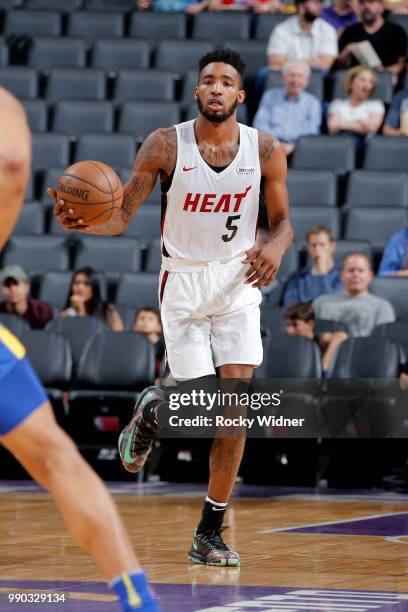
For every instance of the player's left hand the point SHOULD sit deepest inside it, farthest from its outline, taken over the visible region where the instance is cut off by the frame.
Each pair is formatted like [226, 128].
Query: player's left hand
[265, 262]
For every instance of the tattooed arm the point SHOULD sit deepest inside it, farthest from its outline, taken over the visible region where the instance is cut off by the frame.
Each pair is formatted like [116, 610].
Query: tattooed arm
[265, 261]
[156, 155]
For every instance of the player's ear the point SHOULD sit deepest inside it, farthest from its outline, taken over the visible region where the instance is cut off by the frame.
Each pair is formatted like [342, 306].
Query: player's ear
[241, 96]
[196, 93]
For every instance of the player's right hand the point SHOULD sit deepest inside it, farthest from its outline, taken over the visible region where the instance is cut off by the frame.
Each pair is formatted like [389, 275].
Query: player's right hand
[65, 216]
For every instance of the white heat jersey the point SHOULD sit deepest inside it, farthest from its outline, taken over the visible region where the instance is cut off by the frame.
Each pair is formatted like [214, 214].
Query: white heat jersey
[212, 216]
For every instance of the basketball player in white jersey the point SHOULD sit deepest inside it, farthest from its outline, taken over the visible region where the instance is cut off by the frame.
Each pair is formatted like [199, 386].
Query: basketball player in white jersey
[210, 171]
[27, 425]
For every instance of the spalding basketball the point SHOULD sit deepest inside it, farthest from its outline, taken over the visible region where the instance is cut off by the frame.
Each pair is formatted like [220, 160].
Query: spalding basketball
[92, 190]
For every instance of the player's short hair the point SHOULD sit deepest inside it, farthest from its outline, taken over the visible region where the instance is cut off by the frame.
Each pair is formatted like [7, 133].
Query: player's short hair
[319, 229]
[357, 254]
[354, 72]
[226, 56]
[300, 310]
[147, 309]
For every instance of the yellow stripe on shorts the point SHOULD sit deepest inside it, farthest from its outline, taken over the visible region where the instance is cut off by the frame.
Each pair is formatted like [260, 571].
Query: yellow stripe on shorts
[12, 344]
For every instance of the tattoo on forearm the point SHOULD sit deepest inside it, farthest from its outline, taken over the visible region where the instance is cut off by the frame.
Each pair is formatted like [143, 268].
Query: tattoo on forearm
[142, 184]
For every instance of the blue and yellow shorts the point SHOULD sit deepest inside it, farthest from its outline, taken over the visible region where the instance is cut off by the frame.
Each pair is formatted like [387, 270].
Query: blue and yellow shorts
[20, 390]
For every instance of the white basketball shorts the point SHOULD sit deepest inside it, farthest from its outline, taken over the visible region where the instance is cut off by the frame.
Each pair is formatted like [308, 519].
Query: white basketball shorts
[209, 317]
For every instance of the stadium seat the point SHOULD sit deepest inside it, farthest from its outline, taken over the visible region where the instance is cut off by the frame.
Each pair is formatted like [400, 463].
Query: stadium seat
[315, 87]
[78, 331]
[93, 26]
[154, 27]
[113, 54]
[30, 220]
[141, 118]
[108, 254]
[290, 357]
[138, 290]
[154, 256]
[335, 153]
[151, 84]
[32, 23]
[395, 290]
[127, 314]
[343, 247]
[50, 355]
[4, 52]
[179, 56]
[76, 83]
[368, 188]
[64, 6]
[305, 217]
[272, 318]
[75, 118]
[383, 90]
[190, 80]
[50, 180]
[252, 51]
[387, 153]
[37, 254]
[37, 114]
[47, 52]
[372, 357]
[146, 223]
[16, 324]
[21, 81]
[328, 326]
[401, 20]
[374, 224]
[123, 6]
[397, 332]
[289, 263]
[312, 188]
[6, 5]
[54, 288]
[219, 26]
[266, 23]
[50, 150]
[30, 192]
[116, 150]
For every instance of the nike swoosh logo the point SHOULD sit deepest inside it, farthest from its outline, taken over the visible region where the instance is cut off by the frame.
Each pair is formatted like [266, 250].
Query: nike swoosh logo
[187, 169]
[217, 509]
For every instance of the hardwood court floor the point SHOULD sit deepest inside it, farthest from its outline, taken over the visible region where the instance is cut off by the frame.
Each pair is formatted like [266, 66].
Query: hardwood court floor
[286, 539]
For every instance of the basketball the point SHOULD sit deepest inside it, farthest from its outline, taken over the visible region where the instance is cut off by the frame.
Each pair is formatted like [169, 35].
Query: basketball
[92, 190]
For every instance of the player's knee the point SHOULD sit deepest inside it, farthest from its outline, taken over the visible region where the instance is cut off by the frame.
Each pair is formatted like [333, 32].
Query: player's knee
[54, 457]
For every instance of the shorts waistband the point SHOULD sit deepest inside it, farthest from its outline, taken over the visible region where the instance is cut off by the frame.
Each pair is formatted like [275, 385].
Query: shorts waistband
[171, 264]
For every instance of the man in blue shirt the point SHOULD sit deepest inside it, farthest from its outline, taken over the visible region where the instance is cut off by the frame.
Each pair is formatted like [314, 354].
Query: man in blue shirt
[306, 284]
[290, 112]
[394, 261]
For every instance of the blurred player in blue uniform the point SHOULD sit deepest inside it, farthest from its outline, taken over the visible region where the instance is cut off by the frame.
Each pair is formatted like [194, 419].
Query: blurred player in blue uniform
[27, 425]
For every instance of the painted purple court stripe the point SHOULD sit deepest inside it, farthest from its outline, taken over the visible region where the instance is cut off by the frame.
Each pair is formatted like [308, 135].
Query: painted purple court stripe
[232, 598]
[388, 525]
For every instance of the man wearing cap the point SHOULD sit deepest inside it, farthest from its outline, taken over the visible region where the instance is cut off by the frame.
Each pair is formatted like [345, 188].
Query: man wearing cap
[15, 285]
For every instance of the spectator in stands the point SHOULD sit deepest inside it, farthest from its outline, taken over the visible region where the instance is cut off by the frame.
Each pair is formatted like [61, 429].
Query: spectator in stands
[147, 322]
[388, 39]
[321, 277]
[15, 284]
[340, 15]
[289, 111]
[398, 7]
[396, 120]
[173, 6]
[357, 114]
[304, 36]
[84, 299]
[300, 319]
[394, 261]
[355, 306]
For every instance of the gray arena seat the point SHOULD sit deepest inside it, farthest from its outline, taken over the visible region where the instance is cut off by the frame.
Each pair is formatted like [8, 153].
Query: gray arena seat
[92, 26]
[37, 254]
[397, 332]
[372, 357]
[78, 331]
[190, 80]
[272, 318]
[34, 23]
[252, 51]
[154, 256]
[31, 220]
[122, 6]
[6, 5]
[113, 54]
[37, 114]
[74, 118]
[395, 290]
[154, 27]
[54, 287]
[157, 85]
[344, 247]
[217, 26]
[50, 355]
[312, 188]
[266, 23]
[290, 357]
[335, 153]
[401, 20]
[315, 87]
[30, 191]
[387, 153]
[383, 90]
[305, 217]
[108, 254]
[16, 324]
[141, 118]
[369, 188]
[49, 52]
[4, 52]
[76, 83]
[146, 223]
[138, 290]
[289, 263]
[64, 6]
[20, 80]
[374, 224]
[116, 150]
[50, 180]
[179, 56]
[50, 150]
